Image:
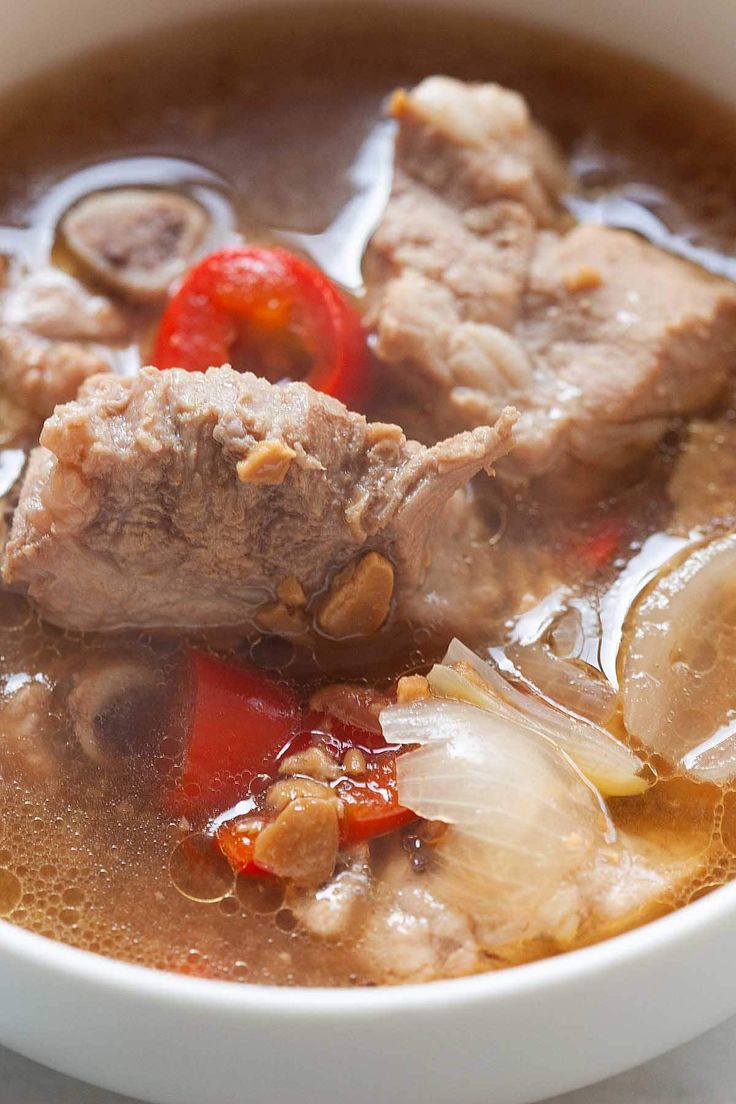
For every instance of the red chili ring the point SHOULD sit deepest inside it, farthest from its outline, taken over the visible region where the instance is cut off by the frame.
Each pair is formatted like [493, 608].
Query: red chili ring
[265, 303]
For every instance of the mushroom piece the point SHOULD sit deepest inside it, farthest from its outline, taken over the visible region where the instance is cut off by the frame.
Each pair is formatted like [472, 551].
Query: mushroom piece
[136, 240]
[115, 706]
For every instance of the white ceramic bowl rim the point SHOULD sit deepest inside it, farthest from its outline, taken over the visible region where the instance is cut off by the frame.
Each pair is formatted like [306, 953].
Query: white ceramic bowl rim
[668, 933]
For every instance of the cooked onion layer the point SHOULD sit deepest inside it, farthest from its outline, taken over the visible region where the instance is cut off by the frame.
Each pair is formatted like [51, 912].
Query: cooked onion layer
[603, 759]
[524, 818]
[679, 667]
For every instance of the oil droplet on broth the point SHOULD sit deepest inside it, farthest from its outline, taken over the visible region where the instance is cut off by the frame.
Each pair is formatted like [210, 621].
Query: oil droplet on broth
[198, 870]
[11, 891]
[286, 921]
[229, 906]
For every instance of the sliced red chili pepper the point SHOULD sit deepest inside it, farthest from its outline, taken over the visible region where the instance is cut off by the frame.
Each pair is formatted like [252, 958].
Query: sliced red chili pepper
[237, 839]
[601, 543]
[594, 544]
[271, 312]
[371, 802]
[241, 719]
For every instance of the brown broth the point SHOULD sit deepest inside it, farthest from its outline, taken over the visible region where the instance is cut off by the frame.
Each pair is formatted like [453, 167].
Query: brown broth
[278, 106]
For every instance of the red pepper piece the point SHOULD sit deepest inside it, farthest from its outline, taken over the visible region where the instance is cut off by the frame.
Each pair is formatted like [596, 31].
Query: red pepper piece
[237, 839]
[602, 542]
[241, 720]
[371, 802]
[272, 312]
[593, 544]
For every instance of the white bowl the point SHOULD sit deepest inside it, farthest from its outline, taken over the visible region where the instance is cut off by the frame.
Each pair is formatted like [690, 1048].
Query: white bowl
[509, 1037]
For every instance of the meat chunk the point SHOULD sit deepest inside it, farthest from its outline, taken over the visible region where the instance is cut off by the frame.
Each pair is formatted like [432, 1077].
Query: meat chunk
[447, 266]
[655, 339]
[630, 882]
[134, 512]
[52, 333]
[702, 485]
[136, 240]
[38, 374]
[26, 739]
[52, 304]
[413, 935]
[481, 294]
[337, 909]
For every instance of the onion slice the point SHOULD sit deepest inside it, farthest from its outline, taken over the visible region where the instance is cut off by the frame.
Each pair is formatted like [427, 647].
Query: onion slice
[565, 683]
[679, 663]
[530, 852]
[524, 818]
[604, 760]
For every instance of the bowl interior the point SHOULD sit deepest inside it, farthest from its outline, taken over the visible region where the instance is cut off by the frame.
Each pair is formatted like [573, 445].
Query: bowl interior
[695, 44]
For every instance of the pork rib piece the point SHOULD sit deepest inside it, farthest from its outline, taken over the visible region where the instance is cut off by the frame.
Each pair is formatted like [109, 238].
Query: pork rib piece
[54, 334]
[186, 499]
[482, 293]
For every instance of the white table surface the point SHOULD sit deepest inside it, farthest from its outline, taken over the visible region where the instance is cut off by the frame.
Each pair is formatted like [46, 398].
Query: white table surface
[702, 1072]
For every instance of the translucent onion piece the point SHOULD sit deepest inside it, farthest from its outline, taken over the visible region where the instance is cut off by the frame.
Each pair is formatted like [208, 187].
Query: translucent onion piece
[529, 852]
[572, 684]
[679, 669]
[608, 763]
[524, 818]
